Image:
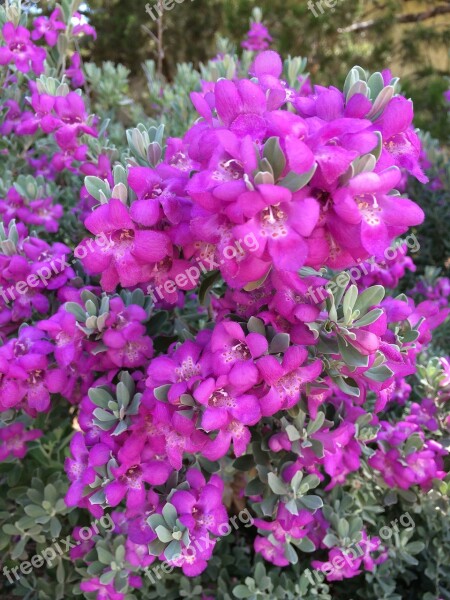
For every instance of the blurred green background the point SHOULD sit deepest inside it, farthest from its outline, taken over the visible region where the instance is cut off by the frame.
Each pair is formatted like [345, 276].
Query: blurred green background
[409, 36]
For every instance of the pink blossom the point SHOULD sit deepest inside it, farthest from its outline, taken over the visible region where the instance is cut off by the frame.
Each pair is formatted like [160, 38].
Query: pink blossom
[14, 439]
[48, 27]
[20, 50]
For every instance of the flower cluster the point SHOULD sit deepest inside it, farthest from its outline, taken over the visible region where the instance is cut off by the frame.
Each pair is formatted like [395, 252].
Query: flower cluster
[38, 212]
[208, 346]
[405, 458]
[27, 379]
[36, 272]
[390, 271]
[365, 561]
[313, 186]
[258, 38]
[62, 115]
[437, 290]
[30, 268]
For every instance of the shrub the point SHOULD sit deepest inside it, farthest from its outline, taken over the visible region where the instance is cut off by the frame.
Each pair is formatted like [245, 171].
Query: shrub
[211, 383]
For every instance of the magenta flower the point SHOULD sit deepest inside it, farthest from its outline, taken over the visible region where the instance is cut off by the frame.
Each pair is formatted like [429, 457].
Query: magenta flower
[80, 26]
[431, 314]
[180, 436]
[137, 554]
[335, 145]
[103, 591]
[130, 256]
[200, 508]
[27, 350]
[286, 380]
[157, 196]
[367, 218]
[138, 529]
[292, 306]
[280, 230]
[133, 472]
[102, 169]
[39, 381]
[417, 467]
[82, 547]
[345, 456]
[223, 404]
[63, 330]
[390, 272]
[267, 68]
[439, 292]
[70, 150]
[78, 471]
[72, 114]
[11, 384]
[48, 28]
[15, 269]
[241, 107]
[287, 525]
[74, 71]
[234, 354]
[236, 433]
[35, 212]
[258, 38]
[14, 440]
[181, 368]
[272, 550]
[12, 119]
[194, 559]
[43, 117]
[125, 335]
[401, 145]
[20, 51]
[352, 563]
[52, 258]
[424, 414]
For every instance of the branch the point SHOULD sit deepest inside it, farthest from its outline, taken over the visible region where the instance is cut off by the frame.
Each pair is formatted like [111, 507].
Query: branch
[150, 33]
[158, 39]
[409, 18]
